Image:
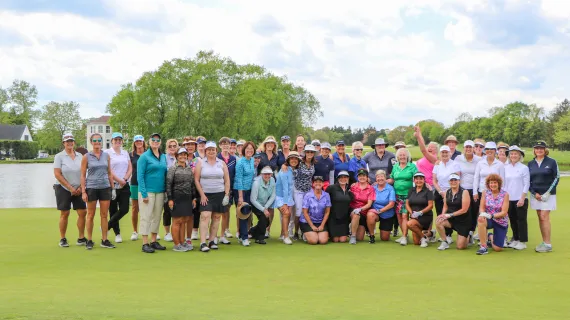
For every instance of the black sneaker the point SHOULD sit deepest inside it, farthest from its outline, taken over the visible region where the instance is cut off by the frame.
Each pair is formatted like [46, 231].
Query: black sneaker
[81, 242]
[204, 247]
[372, 240]
[63, 243]
[156, 246]
[146, 248]
[212, 245]
[260, 242]
[395, 234]
[107, 244]
[89, 245]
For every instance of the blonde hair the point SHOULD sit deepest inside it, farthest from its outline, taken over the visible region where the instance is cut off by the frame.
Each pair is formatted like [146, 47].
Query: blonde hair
[433, 143]
[381, 173]
[406, 151]
[262, 146]
[172, 140]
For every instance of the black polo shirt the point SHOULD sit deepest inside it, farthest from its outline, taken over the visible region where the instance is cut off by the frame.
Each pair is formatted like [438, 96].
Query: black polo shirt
[419, 200]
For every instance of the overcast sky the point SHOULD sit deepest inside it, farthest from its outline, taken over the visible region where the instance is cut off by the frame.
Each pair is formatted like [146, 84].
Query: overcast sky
[378, 62]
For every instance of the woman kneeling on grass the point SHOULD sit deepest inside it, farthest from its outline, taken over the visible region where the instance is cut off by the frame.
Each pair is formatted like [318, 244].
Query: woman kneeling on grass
[340, 213]
[383, 206]
[181, 198]
[262, 198]
[364, 197]
[493, 215]
[316, 210]
[420, 204]
[455, 214]
[96, 182]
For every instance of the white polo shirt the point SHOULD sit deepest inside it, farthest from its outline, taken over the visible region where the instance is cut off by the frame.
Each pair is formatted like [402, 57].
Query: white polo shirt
[119, 162]
[467, 170]
[517, 180]
[483, 169]
[442, 171]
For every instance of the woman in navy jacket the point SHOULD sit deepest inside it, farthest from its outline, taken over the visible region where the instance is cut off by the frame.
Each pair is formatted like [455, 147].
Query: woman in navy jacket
[544, 177]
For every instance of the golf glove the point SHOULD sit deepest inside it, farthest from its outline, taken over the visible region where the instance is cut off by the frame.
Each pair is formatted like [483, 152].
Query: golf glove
[416, 214]
[356, 211]
[485, 215]
[226, 201]
[113, 194]
[545, 197]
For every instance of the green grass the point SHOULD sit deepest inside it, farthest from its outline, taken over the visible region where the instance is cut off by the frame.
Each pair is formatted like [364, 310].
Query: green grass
[45, 160]
[337, 281]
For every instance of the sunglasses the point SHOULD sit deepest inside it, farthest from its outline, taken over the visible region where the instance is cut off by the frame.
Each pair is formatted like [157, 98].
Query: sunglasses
[478, 146]
[453, 180]
[172, 146]
[97, 140]
[155, 140]
[358, 149]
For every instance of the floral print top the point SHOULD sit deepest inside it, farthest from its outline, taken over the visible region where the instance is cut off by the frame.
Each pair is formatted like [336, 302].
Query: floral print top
[495, 205]
[303, 177]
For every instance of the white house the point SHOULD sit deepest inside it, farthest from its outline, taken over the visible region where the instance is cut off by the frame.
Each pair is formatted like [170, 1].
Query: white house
[15, 132]
[99, 125]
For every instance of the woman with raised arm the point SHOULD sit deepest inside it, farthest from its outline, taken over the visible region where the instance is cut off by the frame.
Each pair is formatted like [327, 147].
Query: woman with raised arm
[425, 165]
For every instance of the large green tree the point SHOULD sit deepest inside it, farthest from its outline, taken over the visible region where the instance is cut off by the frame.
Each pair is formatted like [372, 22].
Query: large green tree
[213, 96]
[57, 119]
[22, 101]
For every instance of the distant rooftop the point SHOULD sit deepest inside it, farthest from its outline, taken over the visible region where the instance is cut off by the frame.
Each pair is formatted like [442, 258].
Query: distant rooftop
[102, 119]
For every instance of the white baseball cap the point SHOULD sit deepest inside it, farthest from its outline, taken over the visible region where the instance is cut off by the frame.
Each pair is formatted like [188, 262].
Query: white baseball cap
[454, 176]
[310, 147]
[266, 170]
[444, 148]
[469, 143]
[210, 144]
[490, 145]
[182, 150]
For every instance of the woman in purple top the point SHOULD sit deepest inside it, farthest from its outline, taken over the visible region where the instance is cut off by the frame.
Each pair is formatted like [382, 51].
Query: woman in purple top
[316, 209]
[493, 214]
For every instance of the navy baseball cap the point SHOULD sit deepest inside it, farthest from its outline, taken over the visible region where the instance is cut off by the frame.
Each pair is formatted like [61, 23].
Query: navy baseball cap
[257, 155]
[285, 138]
[340, 143]
[233, 141]
[201, 140]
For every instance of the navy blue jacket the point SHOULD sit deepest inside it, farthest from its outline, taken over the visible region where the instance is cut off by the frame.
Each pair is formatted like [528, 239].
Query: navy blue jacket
[266, 162]
[543, 177]
[231, 168]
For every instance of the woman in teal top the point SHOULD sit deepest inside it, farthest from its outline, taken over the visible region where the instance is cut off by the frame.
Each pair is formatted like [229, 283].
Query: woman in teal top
[402, 178]
[151, 176]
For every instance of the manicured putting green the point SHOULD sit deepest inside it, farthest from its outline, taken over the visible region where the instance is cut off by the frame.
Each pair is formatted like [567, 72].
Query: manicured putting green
[383, 281]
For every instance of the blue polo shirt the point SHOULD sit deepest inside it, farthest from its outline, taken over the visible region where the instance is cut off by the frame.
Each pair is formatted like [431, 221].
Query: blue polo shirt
[355, 164]
[323, 168]
[339, 165]
[383, 198]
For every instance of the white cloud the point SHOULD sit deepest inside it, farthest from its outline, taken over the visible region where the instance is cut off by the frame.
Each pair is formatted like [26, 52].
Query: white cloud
[356, 57]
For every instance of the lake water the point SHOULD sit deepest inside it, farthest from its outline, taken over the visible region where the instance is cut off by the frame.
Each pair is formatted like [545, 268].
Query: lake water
[31, 185]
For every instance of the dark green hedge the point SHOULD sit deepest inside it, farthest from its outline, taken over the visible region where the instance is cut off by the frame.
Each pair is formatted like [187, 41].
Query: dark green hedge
[20, 149]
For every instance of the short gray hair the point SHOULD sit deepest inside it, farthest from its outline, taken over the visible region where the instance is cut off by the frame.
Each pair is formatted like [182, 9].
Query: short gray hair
[381, 173]
[406, 151]
[357, 144]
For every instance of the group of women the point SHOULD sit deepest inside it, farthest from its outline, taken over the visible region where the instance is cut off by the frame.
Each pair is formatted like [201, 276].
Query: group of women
[321, 196]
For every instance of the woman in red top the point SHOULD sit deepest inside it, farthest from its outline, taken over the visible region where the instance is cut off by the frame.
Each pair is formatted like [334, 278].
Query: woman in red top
[364, 197]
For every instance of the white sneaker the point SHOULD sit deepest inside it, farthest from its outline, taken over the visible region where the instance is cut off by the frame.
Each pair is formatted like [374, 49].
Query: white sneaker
[118, 238]
[194, 235]
[245, 243]
[281, 238]
[520, 246]
[424, 243]
[304, 238]
[287, 241]
[443, 246]
[237, 235]
[157, 236]
[404, 241]
[399, 240]
[476, 236]
[266, 234]
[223, 240]
[167, 237]
[134, 236]
[228, 234]
[513, 244]
[216, 240]
[505, 244]
[449, 239]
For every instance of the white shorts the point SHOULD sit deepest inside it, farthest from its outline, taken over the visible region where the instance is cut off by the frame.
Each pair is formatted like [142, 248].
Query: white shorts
[550, 204]
[298, 195]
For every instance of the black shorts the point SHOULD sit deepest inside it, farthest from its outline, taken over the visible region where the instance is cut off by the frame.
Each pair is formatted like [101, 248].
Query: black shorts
[98, 194]
[387, 224]
[64, 199]
[305, 227]
[425, 221]
[182, 208]
[362, 221]
[462, 226]
[214, 203]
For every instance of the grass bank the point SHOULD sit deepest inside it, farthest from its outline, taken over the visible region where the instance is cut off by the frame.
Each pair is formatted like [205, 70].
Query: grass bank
[336, 281]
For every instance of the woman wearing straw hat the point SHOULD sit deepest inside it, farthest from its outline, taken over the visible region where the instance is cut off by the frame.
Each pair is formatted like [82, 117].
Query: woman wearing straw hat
[502, 149]
[245, 173]
[213, 184]
[316, 210]
[67, 171]
[517, 183]
[544, 177]
[302, 178]
[451, 142]
[441, 173]
[181, 194]
[262, 198]
[379, 159]
[284, 194]
[339, 218]
[190, 144]
[455, 214]
[138, 148]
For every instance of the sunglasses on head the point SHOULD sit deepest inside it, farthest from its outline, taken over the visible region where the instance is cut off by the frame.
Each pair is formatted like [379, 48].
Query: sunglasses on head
[155, 139]
[97, 140]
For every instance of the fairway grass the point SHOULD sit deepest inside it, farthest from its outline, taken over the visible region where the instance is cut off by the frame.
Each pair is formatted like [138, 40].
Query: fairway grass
[40, 280]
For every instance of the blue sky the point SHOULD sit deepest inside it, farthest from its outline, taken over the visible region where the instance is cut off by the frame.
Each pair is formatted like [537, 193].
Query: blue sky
[368, 62]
